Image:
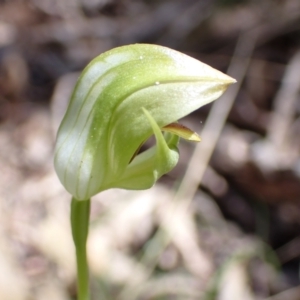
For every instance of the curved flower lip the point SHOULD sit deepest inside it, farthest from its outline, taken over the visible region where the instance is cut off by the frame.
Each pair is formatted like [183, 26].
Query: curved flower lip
[105, 124]
[182, 132]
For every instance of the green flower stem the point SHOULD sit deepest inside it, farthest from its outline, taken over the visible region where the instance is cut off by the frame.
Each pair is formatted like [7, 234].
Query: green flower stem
[80, 213]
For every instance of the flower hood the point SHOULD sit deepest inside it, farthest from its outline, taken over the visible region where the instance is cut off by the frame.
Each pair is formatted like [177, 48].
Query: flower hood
[121, 98]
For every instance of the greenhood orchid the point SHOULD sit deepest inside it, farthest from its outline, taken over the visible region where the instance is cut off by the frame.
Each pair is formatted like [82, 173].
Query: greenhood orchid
[123, 97]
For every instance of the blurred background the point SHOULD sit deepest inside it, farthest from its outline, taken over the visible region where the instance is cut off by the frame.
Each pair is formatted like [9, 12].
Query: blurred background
[225, 224]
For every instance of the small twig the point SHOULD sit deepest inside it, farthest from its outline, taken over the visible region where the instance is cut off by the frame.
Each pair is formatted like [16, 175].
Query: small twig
[290, 294]
[285, 103]
[289, 251]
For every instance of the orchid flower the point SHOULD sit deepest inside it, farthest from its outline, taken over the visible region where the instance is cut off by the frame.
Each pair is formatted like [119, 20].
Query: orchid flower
[123, 97]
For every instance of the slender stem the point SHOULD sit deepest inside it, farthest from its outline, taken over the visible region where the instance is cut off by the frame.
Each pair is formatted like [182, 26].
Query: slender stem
[80, 213]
